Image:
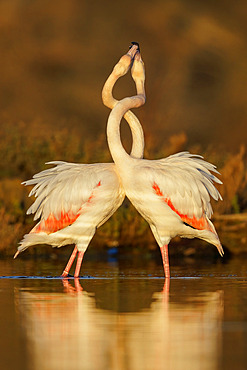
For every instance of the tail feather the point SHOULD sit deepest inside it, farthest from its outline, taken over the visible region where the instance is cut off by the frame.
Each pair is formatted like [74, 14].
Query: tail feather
[217, 242]
[220, 249]
[212, 238]
[16, 254]
[32, 239]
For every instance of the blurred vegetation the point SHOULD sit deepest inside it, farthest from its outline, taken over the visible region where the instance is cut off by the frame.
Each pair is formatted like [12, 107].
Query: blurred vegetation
[55, 57]
[23, 153]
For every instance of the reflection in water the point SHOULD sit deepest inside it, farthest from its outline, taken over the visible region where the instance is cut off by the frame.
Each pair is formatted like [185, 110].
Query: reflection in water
[122, 324]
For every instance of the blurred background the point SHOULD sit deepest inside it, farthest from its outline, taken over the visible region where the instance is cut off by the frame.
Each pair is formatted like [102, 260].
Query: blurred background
[54, 59]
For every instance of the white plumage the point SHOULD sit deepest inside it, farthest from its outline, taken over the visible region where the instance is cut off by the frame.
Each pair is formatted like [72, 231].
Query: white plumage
[184, 178]
[67, 187]
[173, 193]
[75, 198]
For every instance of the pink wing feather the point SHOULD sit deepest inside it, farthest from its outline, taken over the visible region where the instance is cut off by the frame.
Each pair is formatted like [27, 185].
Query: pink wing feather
[185, 183]
[62, 193]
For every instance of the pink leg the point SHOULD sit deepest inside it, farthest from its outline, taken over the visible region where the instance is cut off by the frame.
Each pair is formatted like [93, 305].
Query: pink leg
[165, 259]
[70, 262]
[78, 264]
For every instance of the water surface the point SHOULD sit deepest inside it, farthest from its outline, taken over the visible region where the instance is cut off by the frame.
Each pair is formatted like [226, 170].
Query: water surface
[123, 316]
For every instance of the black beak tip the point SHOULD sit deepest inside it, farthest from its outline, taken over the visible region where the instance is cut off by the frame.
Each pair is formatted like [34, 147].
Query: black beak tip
[135, 43]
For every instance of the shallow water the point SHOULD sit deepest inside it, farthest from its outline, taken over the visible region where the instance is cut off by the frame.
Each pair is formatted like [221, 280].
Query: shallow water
[123, 315]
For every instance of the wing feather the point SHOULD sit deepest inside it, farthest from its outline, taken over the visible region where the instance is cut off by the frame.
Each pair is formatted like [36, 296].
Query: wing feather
[187, 181]
[66, 187]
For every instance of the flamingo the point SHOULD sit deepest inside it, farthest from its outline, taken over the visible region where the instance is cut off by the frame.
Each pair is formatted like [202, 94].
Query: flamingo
[72, 200]
[173, 193]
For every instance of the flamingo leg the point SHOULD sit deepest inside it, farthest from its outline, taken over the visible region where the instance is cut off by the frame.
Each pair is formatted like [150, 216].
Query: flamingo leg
[70, 262]
[78, 264]
[165, 259]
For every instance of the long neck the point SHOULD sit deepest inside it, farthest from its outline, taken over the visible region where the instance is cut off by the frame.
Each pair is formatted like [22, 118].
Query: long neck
[133, 122]
[117, 150]
[137, 150]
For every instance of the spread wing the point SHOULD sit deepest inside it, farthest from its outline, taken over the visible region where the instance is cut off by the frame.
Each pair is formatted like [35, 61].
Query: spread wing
[62, 191]
[186, 183]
